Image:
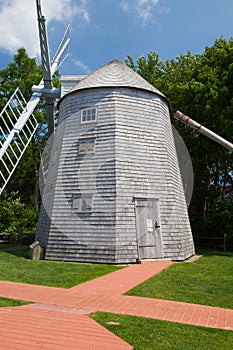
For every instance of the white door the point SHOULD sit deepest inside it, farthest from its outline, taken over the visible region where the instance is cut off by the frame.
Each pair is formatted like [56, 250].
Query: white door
[148, 229]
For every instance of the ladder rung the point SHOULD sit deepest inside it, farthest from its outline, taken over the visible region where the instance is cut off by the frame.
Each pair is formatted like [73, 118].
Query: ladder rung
[6, 167]
[12, 150]
[3, 176]
[9, 158]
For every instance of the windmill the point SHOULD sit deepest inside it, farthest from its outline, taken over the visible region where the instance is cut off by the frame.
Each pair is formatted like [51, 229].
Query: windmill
[17, 122]
[114, 191]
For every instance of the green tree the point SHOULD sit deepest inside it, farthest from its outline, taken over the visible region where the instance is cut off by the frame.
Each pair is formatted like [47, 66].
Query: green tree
[15, 215]
[23, 72]
[151, 69]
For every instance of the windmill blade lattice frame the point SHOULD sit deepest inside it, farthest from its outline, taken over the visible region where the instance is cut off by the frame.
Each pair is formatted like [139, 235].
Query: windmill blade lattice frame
[17, 128]
[17, 123]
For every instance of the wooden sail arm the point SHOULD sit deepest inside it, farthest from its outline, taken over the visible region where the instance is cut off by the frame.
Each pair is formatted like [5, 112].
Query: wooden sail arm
[202, 130]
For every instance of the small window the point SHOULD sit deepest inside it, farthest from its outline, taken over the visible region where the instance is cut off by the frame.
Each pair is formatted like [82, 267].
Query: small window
[77, 203]
[89, 115]
[86, 146]
[82, 204]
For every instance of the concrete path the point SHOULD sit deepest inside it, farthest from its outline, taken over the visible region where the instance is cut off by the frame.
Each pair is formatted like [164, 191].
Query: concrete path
[62, 318]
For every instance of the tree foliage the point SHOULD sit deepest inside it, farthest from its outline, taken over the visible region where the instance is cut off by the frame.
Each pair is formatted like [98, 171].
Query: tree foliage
[200, 86]
[23, 72]
[16, 215]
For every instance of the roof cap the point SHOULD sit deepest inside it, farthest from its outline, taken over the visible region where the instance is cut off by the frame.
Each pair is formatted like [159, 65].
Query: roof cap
[115, 74]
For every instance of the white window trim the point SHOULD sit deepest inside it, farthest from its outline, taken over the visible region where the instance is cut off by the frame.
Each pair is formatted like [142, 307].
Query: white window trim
[86, 110]
[90, 140]
[83, 204]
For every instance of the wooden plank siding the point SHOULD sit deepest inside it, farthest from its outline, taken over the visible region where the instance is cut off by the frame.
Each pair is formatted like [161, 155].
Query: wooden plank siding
[147, 167]
[75, 236]
[134, 157]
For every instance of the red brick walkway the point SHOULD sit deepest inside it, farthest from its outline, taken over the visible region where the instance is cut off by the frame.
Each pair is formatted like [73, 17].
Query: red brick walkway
[38, 327]
[61, 321]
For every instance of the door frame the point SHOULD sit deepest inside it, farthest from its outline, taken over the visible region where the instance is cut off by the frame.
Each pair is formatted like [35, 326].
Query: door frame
[146, 199]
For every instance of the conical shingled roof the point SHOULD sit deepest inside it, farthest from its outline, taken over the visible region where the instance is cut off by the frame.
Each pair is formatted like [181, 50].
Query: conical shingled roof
[115, 74]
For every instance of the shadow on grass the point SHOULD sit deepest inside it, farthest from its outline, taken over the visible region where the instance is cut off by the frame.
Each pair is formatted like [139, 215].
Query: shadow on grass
[213, 252]
[19, 250]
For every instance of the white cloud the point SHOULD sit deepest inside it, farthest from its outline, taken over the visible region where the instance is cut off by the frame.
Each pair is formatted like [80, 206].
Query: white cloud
[144, 9]
[124, 5]
[164, 10]
[65, 10]
[147, 2]
[81, 65]
[18, 21]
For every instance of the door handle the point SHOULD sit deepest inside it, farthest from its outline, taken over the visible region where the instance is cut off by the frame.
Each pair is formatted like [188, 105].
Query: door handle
[157, 224]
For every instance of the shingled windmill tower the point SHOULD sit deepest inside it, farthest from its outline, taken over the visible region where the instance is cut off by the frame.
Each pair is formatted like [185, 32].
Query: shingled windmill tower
[113, 192]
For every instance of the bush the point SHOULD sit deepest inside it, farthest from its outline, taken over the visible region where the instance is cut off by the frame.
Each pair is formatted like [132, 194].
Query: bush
[220, 221]
[224, 215]
[15, 216]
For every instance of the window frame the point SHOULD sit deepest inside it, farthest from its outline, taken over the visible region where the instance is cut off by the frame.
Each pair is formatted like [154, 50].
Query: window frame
[88, 140]
[86, 111]
[85, 204]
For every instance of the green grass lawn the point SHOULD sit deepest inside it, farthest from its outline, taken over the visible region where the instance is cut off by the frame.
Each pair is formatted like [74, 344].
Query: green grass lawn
[207, 281]
[4, 302]
[15, 266]
[148, 334]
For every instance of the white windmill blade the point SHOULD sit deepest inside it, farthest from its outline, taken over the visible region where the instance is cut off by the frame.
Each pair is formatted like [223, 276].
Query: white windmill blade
[48, 69]
[47, 76]
[62, 51]
[44, 48]
[19, 118]
[17, 127]
[59, 57]
[17, 123]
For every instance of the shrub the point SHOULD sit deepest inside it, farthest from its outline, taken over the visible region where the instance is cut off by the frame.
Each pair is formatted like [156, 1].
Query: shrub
[15, 216]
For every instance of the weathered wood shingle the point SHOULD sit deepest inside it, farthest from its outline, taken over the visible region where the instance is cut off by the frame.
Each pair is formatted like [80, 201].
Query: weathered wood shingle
[133, 157]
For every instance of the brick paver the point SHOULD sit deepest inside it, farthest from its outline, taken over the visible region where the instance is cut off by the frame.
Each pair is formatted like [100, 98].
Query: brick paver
[39, 327]
[121, 281]
[62, 320]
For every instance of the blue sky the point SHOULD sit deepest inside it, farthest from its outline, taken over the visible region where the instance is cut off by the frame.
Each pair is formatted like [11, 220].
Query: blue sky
[102, 30]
